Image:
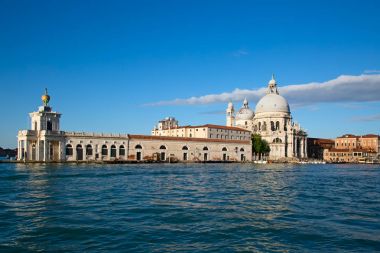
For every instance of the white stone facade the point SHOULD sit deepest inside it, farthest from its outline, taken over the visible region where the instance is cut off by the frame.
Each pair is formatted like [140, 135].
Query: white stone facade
[273, 121]
[208, 131]
[45, 142]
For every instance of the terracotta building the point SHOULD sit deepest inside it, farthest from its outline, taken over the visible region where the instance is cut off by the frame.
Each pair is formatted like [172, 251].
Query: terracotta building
[316, 146]
[353, 148]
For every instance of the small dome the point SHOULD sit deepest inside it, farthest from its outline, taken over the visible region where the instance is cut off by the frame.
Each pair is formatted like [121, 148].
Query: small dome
[272, 81]
[245, 114]
[272, 103]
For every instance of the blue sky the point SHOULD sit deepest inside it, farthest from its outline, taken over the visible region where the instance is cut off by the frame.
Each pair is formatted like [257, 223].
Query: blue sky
[109, 64]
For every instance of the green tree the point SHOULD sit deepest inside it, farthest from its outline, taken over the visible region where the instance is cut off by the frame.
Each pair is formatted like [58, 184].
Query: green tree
[259, 145]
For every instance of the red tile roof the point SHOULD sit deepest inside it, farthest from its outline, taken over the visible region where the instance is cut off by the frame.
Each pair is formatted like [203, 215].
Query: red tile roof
[358, 136]
[348, 136]
[211, 126]
[371, 136]
[321, 141]
[225, 127]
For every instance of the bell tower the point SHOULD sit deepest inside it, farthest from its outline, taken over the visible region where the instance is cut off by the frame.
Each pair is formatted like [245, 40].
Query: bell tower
[45, 118]
[230, 115]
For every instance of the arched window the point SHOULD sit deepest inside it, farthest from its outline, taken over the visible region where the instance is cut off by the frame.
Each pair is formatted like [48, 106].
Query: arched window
[69, 150]
[162, 153]
[224, 149]
[259, 125]
[277, 140]
[272, 126]
[88, 149]
[138, 148]
[277, 125]
[242, 150]
[104, 150]
[185, 148]
[79, 150]
[264, 128]
[205, 148]
[49, 125]
[33, 152]
[113, 151]
[121, 150]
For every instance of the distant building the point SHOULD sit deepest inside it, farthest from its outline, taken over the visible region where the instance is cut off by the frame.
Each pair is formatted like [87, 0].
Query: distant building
[353, 148]
[167, 124]
[347, 141]
[355, 155]
[370, 142]
[316, 146]
[46, 142]
[273, 121]
[8, 152]
[208, 131]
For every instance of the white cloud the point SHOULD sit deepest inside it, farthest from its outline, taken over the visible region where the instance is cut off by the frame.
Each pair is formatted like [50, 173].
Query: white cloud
[220, 112]
[372, 71]
[345, 88]
[375, 117]
[240, 52]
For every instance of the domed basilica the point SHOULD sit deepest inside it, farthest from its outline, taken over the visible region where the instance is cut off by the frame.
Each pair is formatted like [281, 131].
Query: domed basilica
[273, 121]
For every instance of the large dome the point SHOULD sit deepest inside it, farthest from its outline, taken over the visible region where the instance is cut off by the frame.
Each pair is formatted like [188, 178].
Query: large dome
[272, 102]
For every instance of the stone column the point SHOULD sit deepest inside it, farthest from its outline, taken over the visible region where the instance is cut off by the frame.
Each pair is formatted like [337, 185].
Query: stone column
[38, 151]
[59, 150]
[302, 147]
[19, 150]
[290, 145]
[46, 150]
[26, 145]
[305, 140]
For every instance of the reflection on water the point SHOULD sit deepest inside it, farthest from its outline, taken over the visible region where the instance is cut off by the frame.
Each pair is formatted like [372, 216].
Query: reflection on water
[174, 207]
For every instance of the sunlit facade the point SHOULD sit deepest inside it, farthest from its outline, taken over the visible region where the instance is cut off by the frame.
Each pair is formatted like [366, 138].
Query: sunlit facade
[272, 120]
[46, 142]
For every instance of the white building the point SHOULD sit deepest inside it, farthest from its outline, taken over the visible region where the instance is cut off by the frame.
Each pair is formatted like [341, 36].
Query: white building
[45, 142]
[207, 131]
[273, 121]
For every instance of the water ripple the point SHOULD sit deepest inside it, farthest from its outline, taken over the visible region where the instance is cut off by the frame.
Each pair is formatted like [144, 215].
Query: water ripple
[194, 207]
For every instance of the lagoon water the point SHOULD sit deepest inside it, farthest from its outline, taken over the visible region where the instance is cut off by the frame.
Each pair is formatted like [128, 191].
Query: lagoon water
[183, 208]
